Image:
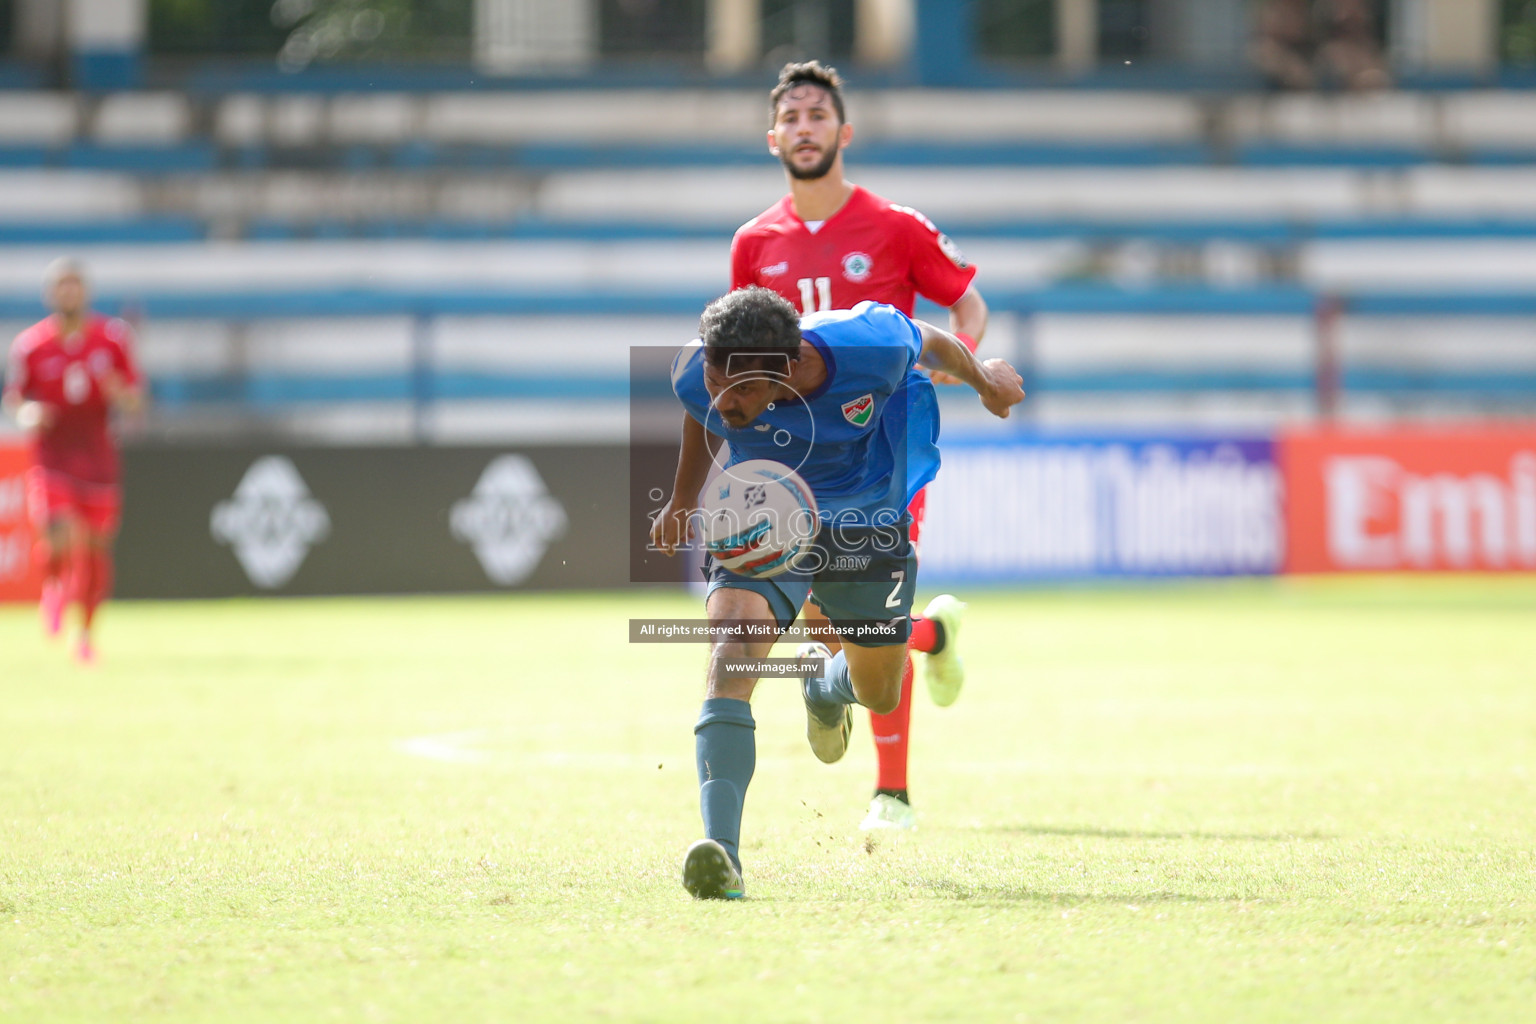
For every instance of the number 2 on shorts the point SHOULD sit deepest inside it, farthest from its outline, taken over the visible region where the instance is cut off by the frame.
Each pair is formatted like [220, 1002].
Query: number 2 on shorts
[895, 599]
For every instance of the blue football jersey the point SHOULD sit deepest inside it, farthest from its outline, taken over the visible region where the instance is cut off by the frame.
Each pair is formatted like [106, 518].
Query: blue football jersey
[866, 440]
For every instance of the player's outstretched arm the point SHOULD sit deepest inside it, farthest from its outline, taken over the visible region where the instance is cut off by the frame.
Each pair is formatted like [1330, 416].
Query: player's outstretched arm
[967, 319]
[673, 525]
[997, 383]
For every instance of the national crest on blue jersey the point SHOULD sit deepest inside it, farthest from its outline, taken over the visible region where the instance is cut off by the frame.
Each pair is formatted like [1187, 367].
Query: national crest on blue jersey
[859, 411]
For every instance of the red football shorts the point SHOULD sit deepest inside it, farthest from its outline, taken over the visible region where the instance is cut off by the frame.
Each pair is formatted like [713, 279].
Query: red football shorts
[918, 508]
[52, 496]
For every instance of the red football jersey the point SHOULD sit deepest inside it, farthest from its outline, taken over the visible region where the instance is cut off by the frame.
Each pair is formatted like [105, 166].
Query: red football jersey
[66, 374]
[871, 249]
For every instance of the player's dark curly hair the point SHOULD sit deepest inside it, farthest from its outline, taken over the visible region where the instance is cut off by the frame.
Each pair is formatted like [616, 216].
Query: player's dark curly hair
[757, 326]
[810, 72]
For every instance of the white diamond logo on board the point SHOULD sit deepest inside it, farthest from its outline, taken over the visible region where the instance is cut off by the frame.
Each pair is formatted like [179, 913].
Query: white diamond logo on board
[509, 519]
[271, 522]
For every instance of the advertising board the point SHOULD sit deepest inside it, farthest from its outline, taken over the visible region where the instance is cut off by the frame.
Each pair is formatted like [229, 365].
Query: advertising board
[19, 575]
[214, 521]
[1044, 507]
[1421, 499]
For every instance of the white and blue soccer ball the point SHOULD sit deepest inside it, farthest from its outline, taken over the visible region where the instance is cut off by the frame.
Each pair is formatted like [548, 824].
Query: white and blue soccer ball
[759, 517]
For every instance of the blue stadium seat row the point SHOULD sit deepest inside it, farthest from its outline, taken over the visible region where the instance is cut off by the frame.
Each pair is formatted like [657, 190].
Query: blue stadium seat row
[180, 228]
[151, 229]
[533, 228]
[265, 389]
[553, 157]
[422, 155]
[1082, 298]
[181, 157]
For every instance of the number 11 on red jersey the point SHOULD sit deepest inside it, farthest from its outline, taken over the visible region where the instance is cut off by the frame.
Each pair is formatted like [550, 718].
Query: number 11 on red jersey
[815, 295]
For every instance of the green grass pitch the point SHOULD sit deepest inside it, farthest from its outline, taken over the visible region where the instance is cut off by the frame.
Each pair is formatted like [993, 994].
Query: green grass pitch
[1299, 801]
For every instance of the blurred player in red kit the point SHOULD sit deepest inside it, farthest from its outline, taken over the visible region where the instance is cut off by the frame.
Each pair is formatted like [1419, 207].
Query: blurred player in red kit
[830, 244]
[66, 375]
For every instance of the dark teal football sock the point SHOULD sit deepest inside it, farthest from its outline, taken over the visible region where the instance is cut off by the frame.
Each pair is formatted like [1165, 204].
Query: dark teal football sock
[834, 686]
[725, 749]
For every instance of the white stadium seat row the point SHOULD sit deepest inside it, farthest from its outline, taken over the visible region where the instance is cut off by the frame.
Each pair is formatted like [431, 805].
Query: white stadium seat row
[978, 194]
[1462, 120]
[982, 195]
[39, 118]
[1007, 116]
[721, 197]
[665, 268]
[151, 117]
[655, 266]
[1454, 120]
[488, 118]
[68, 196]
[1457, 121]
[56, 119]
[1406, 119]
[650, 116]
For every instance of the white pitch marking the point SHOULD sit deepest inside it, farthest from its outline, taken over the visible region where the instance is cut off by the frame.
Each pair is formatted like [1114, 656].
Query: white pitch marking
[448, 746]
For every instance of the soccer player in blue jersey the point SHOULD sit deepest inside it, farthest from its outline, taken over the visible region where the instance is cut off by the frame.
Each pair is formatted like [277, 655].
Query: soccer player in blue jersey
[837, 396]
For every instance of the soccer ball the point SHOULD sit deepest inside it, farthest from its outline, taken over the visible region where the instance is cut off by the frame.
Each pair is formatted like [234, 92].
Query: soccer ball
[759, 518]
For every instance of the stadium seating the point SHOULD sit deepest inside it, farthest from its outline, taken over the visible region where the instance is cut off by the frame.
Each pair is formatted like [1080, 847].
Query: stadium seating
[260, 234]
[576, 127]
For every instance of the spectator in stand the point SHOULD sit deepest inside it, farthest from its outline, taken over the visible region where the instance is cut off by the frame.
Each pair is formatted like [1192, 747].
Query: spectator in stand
[1350, 55]
[1283, 49]
[1304, 44]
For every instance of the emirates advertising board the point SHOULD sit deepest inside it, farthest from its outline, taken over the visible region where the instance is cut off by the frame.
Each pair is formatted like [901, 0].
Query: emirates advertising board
[1414, 499]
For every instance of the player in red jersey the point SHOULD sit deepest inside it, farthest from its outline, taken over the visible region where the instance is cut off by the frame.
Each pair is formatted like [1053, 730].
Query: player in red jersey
[66, 375]
[830, 244]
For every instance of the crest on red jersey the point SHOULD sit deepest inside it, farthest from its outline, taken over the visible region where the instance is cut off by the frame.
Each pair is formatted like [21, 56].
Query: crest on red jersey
[856, 267]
